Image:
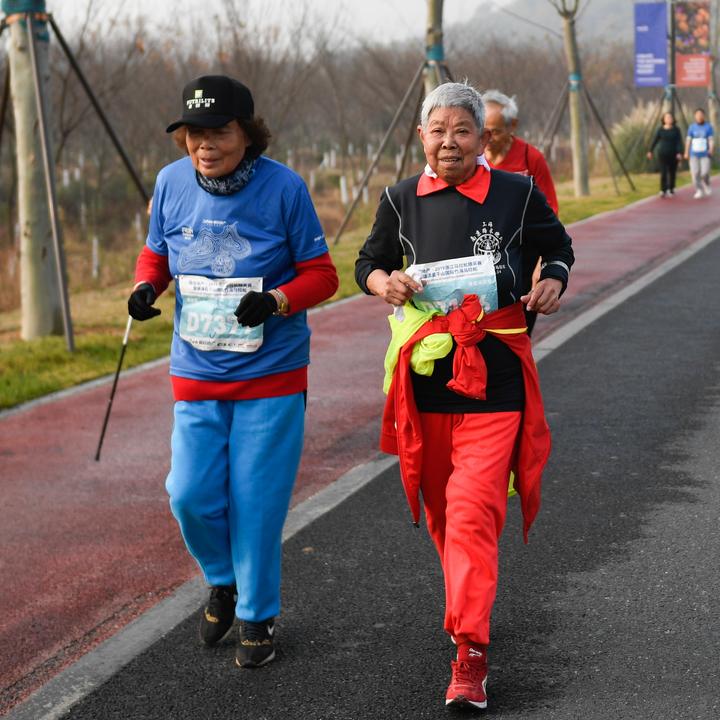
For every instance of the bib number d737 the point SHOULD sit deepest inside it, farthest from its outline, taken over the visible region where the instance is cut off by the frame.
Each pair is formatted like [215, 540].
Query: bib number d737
[207, 319]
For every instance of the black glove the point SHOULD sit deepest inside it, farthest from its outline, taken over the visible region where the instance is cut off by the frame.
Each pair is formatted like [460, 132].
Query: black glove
[255, 308]
[140, 302]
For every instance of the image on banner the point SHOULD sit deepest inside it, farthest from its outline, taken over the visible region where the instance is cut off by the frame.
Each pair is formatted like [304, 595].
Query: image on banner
[445, 283]
[692, 43]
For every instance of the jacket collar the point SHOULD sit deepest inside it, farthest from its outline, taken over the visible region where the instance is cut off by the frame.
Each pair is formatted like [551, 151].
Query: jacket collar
[476, 188]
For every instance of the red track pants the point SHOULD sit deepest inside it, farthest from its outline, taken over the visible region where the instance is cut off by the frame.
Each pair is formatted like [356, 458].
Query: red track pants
[466, 468]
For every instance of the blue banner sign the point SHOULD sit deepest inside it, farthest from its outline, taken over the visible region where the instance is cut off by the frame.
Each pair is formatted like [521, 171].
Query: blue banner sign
[651, 44]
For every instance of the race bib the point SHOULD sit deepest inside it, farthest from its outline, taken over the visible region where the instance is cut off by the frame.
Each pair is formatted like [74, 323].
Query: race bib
[699, 145]
[207, 319]
[445, 283]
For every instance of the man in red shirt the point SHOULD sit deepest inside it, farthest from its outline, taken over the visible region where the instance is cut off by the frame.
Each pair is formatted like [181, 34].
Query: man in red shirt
[506, 152]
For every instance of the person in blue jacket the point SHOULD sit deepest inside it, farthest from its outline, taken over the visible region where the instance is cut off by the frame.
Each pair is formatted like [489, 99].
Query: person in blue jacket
[699, 146]
[238, 234]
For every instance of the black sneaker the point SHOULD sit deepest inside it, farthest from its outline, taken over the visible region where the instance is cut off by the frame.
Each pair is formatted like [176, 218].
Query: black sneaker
[219, 614]
[255, 644]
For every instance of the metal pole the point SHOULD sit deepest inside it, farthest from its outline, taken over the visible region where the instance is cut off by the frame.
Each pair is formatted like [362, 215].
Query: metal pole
[377, 155]
[50, 185]
[114, 387]
[5, 100]
[410, 136]
[610, 167]
[673, 69]
[6, 90]
[607, 135]
[683, 116]
[554, 120]
[103, 118]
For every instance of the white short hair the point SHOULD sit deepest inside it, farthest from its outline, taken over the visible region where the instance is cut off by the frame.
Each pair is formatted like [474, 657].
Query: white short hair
[454, 94]
[508, 105]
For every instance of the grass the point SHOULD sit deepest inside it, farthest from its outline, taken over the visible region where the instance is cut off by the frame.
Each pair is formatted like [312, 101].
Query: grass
[35, 368]
[32, 369]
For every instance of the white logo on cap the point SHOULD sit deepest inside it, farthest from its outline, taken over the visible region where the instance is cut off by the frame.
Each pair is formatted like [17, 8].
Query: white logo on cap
[199, 101]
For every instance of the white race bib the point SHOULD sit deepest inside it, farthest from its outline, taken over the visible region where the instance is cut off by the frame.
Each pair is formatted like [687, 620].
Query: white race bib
[446, 282]
[699, 145]
[207, 319]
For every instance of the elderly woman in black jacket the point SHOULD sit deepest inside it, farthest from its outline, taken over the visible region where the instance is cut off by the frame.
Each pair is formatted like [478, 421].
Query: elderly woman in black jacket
[464, 407]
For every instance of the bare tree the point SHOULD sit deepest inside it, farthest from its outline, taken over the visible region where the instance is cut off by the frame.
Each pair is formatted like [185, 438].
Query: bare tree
[711, 89]
[318, 85]
[568, 10]
[41, 267]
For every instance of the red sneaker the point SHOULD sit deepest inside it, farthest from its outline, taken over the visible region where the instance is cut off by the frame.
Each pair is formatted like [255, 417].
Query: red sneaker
[469, 678]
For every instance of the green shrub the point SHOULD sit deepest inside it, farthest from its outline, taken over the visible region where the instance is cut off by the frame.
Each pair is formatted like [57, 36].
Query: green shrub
[632, 137]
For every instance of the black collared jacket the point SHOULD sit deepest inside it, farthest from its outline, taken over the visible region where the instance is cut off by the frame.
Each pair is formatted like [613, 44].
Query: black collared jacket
[514, 223]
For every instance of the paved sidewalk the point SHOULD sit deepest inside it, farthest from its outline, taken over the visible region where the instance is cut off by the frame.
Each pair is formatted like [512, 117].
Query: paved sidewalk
[98, 539]
[607, 613]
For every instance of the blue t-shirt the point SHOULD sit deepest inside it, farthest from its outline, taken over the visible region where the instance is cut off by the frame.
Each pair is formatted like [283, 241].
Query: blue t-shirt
[260, 231]
[698, 136]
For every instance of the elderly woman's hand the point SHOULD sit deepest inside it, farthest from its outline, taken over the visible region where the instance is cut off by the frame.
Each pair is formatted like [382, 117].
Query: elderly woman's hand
[396, 288]
[544, 298]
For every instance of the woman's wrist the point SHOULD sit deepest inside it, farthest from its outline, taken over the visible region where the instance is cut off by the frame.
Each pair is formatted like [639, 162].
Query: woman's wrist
[376, 281]
[283, 306]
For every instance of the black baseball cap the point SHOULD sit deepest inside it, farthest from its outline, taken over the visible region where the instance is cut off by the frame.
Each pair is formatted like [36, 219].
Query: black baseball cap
[213, 101]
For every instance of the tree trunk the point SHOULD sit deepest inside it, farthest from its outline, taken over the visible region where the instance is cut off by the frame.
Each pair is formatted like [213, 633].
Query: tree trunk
[434, 73]
[578, 124]
[39, 290]
[712, 95]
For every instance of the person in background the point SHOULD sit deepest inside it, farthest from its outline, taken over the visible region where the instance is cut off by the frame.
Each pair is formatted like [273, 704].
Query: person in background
[238, 234]
[699, 147]
[669, 151]
[505, 151]
[464, 405]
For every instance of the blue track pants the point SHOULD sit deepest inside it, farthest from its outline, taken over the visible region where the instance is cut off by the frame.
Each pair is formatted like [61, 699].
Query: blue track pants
[232, 472]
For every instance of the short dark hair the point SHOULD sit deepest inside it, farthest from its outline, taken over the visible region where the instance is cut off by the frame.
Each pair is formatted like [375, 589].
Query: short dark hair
[702, 110]
[255, 128]
[258, 134]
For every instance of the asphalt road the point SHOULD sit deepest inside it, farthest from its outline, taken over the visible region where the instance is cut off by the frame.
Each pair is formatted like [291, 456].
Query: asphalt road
[611, 611]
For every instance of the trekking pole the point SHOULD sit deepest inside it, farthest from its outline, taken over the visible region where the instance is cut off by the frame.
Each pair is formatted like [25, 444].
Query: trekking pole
[114, 386]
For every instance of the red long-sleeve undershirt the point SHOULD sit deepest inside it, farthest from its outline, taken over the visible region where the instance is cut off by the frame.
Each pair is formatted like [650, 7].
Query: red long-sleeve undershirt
[316, 280]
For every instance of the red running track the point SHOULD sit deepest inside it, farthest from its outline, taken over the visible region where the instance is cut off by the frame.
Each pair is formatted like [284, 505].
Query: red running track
[88, 546]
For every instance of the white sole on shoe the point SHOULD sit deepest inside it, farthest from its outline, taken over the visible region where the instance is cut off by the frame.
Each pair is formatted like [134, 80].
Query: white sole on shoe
[462, 702]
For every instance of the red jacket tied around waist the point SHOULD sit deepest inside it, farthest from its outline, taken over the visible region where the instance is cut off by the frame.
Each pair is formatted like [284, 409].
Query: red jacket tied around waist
[401, 434]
